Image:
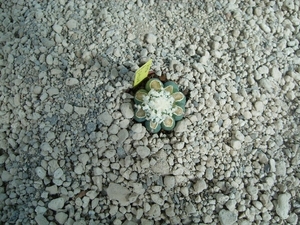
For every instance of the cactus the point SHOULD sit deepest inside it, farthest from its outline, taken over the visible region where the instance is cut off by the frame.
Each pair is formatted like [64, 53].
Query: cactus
[159, 105]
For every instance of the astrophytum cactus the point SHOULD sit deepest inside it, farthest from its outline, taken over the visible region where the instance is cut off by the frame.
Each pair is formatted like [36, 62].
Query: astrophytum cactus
[159, 105]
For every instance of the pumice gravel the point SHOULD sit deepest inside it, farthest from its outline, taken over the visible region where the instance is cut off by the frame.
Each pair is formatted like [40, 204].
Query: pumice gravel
[71, 152]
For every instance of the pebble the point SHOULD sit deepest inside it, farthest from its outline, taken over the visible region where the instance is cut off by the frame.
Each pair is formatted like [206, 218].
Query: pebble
[57, 28]
[199, 67]
[143, 151]
[56, 203]
[259, 106]
[275, 73]
[150, 38]
[227, 217]
[72, 81]
[283, 205]
[127, 110]
[91, 127]
[68, 108]
[61, 217]
[138, 131]
[81, 110]
[53, 91]
[113, 129]
[169, 182]
[119, 193]
[71, 24]
[200, 185]
[41, 172]
[6, 176]
[105, 118]
[41, 220]
[236, 144]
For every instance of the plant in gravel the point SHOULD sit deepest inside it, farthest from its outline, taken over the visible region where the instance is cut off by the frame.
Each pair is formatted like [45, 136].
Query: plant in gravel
[159, 105]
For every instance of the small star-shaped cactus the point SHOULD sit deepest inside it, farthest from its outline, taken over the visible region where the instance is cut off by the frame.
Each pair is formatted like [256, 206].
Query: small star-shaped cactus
[159, 105]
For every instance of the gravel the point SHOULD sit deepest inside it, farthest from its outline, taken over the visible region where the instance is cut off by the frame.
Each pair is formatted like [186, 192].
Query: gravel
[70, 151]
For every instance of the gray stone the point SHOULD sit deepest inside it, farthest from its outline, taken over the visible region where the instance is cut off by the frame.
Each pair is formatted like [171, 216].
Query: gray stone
[150, 38]
[122, 135]
[53, 91]
[127, 110]
[113, 129]
[90, 127]
[41, 220]
[198, 67]
[6, 176]
[105, 118]
[81, 110]
[169, 182]
[138, 131]
[143, 151]
[56, 204]
[68, 108]
[71, 24]
[61, 217]
[57, 28]
[71, 81]
[283, 206]
[119, 193]
[200, 185]
[41, 172]
[227, 217]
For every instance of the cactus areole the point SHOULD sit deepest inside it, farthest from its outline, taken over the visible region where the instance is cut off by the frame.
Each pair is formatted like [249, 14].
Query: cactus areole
[159, 105]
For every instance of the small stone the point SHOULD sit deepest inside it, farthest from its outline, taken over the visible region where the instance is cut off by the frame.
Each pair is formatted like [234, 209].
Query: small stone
[138, 131]
[263, 70]
[283, 206]
[143, 151]
[127, 110]
[281, 169]
[113, 129]
[190, 208]
[81, 110]
[58, 173]
[122, 135]
[71, 81]
[41, 220]
[79, 169]
[239, 135]
[227, 217]
[68, 108]
[259, 106]
[230, 204]
[200, 185]
[6, 176]
[169, 182]
[91, 127]
[41, 172]
[57, 28]
[119, 193]
[154, 211]
[105, 118]
[71, 24]
[236, 144]
[276, 74]
[61, 217]
[198, 67]
[53, 91]
[266, 84]
[84, 158]
[49, 59]
[56, 204]
[150, 38]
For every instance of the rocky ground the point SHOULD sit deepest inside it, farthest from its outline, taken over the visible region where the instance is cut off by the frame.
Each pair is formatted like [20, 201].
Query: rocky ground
[70, 152]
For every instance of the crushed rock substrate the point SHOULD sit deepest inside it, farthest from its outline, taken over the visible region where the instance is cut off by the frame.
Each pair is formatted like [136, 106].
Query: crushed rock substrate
[70, 152]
